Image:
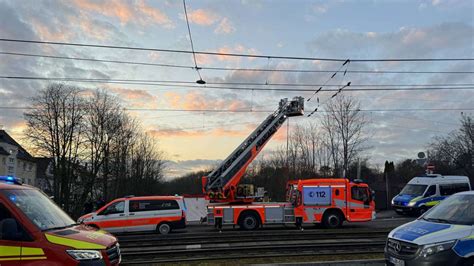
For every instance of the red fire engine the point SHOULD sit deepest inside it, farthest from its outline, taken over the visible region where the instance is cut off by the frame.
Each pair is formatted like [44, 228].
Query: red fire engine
[327, 201]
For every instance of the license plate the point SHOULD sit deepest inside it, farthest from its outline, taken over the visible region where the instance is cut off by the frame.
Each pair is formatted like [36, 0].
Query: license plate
[397, 262]
[399, 210]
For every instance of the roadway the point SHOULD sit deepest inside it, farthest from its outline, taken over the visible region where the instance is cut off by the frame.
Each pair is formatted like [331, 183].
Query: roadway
[270, 244]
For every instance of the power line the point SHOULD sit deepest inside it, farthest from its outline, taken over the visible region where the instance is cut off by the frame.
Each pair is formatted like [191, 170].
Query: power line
[183, 84]
[325, 83]
[237, 54]
[258, 111]
[191, 40]
[233, 68]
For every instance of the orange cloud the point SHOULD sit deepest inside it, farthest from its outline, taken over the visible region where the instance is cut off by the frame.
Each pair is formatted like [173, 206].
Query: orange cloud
[202, 17]
[90, 28]
[197, 101]
[224, 27]
[153, 14]
[216, 132]
[116, 9]
[127, 12]
[133, 93]
[236, 49]
[59, 33]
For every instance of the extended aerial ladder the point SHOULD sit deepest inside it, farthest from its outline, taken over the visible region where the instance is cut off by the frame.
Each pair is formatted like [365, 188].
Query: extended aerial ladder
[221, 184]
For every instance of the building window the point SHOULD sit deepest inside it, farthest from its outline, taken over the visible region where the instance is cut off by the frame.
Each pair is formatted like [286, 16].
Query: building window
[30, 167]
[11, 169]
[4, 161]
[12, 160]
[24, 166]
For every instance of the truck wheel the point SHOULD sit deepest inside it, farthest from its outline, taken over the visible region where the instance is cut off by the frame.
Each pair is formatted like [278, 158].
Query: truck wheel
[164, 228]
[332, 220]
[249, 221]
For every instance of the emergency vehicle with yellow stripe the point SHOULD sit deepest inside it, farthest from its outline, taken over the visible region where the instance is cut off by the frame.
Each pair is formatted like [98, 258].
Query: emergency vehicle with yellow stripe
[134, 214]
[328, 201]
[35, 231]
[423, 192]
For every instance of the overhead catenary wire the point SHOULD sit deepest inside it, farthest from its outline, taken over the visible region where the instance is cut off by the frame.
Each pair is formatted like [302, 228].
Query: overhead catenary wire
[325, 83]
[258, 111]
[231, 68]
[337, 92]
[187, 83]
[190, 87]
[235, 54]
[191, 40]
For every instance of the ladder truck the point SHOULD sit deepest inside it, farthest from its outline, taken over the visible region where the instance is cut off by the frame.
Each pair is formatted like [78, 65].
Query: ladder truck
[327, 201]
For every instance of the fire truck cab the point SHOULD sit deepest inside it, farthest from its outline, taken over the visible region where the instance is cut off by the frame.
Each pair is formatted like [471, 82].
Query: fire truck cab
[312, 201]
[35, 231]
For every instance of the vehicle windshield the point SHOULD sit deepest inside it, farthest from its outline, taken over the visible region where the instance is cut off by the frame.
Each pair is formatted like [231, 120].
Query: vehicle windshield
[42, 211]
[414, 190]
[457, 209]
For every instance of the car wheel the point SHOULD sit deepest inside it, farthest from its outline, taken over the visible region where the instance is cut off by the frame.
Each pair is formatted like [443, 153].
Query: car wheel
[249, 222]
[164, 228]
[332, 220]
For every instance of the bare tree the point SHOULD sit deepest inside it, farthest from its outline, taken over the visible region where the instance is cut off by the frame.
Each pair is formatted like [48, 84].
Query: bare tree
[454, 153]
[102, 124]
[344, 125]
[55, 127]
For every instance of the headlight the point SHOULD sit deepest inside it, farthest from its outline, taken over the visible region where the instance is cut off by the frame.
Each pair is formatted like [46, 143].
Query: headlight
[411, 203]
[393, 201]
[79, 254]
[429, 250]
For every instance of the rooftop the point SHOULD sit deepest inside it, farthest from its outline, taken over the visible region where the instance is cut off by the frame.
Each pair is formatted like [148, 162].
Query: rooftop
[22, 153]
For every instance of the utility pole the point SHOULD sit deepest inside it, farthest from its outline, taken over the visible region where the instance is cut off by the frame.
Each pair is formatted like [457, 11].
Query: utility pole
[288, 147]
[387, 192]
[358, 168]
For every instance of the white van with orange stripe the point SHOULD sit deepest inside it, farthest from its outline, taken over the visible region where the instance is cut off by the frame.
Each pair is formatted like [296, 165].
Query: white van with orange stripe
[133, 214]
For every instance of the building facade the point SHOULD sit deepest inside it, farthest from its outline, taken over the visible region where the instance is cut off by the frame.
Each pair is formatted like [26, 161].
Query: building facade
[15, 160]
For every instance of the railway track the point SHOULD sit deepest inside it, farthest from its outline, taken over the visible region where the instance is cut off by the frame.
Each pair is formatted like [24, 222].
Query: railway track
[174, 248]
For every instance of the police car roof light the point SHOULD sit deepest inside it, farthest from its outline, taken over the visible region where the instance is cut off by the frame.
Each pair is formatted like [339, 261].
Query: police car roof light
[10, 179]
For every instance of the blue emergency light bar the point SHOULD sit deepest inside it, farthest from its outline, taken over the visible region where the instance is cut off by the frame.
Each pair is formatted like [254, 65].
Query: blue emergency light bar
[10, 179]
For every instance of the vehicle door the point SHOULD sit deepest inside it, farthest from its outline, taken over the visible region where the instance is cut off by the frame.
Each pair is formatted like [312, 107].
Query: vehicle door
[316, 199]
[359, 203]
[429, 198]
[141, 213]
[16, 243]
[147, 214]
[114, 217]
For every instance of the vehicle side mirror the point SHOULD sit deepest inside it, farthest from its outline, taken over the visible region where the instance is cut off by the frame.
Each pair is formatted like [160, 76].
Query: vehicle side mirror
[10, 230]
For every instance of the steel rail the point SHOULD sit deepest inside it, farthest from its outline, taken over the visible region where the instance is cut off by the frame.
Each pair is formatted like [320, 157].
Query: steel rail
[373, 247]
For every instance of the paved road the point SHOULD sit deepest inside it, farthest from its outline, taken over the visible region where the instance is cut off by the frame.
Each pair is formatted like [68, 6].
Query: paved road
[385, 219]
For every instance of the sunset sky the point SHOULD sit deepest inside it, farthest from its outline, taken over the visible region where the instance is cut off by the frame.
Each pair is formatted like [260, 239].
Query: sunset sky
[341, 29]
